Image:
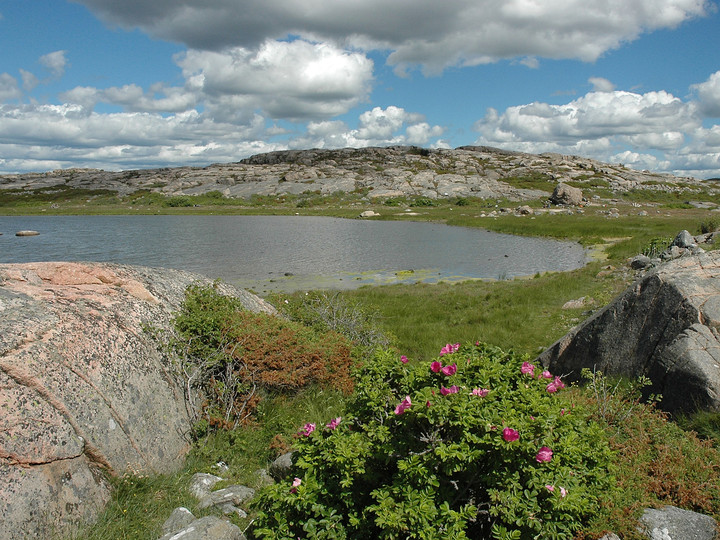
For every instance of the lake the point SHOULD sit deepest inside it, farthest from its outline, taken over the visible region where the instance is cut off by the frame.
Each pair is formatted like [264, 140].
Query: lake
[288, 253]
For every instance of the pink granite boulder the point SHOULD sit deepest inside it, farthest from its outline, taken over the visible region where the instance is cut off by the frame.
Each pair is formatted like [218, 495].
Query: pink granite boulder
[85, 390]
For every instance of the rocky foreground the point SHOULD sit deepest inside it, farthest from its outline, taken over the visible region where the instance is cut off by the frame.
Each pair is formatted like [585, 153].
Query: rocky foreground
[467, 171]
[84, 389]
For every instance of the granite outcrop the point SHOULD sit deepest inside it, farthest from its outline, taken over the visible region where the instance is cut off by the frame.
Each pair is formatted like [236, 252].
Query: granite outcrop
[85, 389]
[665, 326]
[376, 172]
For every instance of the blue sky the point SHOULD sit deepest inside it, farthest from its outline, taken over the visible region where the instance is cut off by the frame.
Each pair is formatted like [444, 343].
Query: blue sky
[138, 84]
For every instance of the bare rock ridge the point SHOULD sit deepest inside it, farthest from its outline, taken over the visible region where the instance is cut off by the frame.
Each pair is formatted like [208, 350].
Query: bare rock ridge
[666, 326]
[467, 171]
[85, 390]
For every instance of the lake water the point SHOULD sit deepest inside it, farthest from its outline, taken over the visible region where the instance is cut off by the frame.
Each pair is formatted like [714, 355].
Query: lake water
[288, 253]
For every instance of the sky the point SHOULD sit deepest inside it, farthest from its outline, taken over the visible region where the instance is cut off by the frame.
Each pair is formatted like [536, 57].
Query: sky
[135, 84]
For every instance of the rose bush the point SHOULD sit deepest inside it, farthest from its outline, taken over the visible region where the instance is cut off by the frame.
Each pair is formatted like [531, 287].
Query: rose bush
[484, 449]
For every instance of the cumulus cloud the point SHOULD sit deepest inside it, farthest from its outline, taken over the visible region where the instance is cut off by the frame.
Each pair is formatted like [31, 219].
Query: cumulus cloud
[9, 87]
[655, 130]
[376, 127]
[55, 62]
[43, 137]
[71, 135]
[30, 81]
[708, 94]
[656, 116]
[601, 85]
[427, 33]
[292, 80]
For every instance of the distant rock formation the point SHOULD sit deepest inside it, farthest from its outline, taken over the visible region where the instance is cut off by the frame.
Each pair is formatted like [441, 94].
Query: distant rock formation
[665, 327]
[395, 171]
[84, 388]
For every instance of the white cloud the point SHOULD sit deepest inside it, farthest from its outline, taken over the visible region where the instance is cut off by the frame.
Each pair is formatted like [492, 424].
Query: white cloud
[708, 94]
[75, 137]
[294, 80]
[30, 81]
[601, 85]
[427, 33]
[655, 131]
[9, 87]
[55, 62]
[421, 133]
[381, 124]
[376, 127]
[593, 116]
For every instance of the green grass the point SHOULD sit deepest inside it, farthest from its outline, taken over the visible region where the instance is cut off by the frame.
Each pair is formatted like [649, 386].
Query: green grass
[522, 314]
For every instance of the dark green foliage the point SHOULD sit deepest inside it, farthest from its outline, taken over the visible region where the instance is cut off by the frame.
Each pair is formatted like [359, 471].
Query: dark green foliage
[423, 201]
[443, 467]
[178, 201]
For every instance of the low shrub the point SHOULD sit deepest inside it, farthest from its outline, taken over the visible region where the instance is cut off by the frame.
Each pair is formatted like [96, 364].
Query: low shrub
[231, 358]
[423, 201]
[178, 201]
[478, 444]
[656, 246]
[709, 225]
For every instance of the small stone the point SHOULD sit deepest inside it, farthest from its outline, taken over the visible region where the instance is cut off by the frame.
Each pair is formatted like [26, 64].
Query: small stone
[233, 494]
[640, 261]
[683, 240]
[179, 519]
[202, 483]
[207, 528]
[280, 468]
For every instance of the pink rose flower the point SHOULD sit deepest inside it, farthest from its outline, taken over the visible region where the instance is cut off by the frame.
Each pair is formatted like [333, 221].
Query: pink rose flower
[404, 359]
[544, 455]
[335, 422]
[435, 367]
[510, 434]
[449, 349]
[482, 392]
[452, 390]
[449, 370]
[296, 483]
[403, 406]
[546, 374]
[563, 491]
[527, 368]
[549, 487]
[307, 429]
[551, 388]
[558, 383]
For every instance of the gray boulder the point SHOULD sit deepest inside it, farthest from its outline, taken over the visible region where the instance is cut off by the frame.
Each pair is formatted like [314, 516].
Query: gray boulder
[566, 195]
[671, 523]
[684, 240]
[640, 261]
[85, 391]
[281, 467]
[664, 326]
[179, 519]
[207, 528]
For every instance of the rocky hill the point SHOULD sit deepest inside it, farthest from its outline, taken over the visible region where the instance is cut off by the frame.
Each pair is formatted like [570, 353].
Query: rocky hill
[467, 171]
